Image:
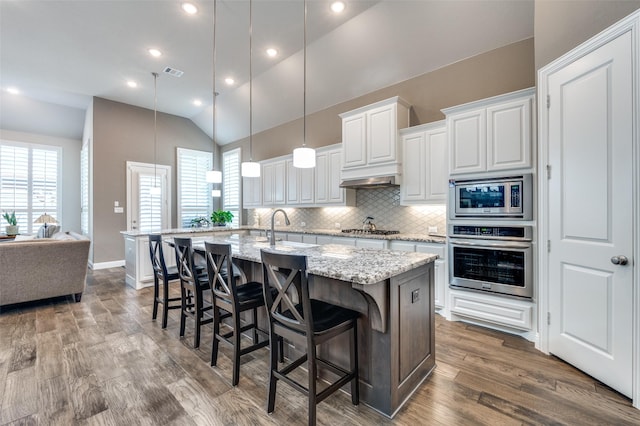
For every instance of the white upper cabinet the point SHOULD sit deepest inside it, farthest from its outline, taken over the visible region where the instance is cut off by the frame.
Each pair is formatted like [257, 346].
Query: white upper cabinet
[353, 136]
[327, 179]
[370, 139]
[300, 185]
[468, 142]
[274, 183]
[491, 134]
[252, 192]
[425, 171]
[509, 135]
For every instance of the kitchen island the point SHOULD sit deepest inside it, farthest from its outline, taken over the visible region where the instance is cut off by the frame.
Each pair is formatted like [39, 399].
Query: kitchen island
[392, 290]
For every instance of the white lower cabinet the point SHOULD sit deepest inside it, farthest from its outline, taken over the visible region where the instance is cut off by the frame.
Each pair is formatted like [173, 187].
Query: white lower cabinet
[440, 265]
[493, 309]
[371, 243]
[294, 237]
[344, 241]
[309, 239]
[324, 239]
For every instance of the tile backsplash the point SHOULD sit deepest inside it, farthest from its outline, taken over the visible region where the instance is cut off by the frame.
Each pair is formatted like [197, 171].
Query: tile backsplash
[383, 204]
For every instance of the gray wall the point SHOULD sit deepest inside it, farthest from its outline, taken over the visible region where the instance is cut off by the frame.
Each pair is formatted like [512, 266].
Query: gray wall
[559, 26]
[124, 133]
[498, 71]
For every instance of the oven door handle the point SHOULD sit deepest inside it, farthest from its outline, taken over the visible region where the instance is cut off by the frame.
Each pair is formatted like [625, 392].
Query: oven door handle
[498, 244]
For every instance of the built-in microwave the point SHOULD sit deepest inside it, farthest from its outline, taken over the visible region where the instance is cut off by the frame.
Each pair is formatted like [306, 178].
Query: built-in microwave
[500, 198]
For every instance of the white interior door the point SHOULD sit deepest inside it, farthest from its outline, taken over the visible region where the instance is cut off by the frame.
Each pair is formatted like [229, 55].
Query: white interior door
[590, 220]
[147, 212]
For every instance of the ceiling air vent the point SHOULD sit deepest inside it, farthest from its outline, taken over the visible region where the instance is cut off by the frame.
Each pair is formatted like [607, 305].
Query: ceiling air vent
[174, 72]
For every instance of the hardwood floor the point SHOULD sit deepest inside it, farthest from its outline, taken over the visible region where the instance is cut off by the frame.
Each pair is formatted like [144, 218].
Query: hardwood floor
[105, 362]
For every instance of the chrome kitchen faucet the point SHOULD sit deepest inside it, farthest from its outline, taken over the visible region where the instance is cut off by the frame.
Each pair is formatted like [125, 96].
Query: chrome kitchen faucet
[272, 239]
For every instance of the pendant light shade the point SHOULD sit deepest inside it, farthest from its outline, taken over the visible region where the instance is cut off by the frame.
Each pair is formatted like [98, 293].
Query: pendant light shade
[304, 158]
[250, 168]
[155, 190]
[213, 175]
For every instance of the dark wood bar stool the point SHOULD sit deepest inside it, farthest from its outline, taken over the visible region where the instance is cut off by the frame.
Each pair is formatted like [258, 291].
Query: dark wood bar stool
[192, 287]
[165, 274]
[230, 300]
[307, 323]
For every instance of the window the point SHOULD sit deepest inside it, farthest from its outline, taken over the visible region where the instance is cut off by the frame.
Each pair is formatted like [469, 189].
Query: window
[29, 176]
[231, 184]
[150, 205]
[194, 192]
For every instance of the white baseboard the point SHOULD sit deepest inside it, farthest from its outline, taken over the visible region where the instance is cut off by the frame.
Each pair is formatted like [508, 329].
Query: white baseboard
[106, 265]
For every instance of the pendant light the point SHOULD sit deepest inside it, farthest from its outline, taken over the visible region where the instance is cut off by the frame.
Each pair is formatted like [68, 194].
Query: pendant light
[250, 168]
[213, 175]
[155, 189]
[304, 158]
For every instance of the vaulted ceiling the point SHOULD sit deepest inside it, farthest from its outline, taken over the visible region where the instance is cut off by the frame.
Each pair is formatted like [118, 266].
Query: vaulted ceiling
[66, 52]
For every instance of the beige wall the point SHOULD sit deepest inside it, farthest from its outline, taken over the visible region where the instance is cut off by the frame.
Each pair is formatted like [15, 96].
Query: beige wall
[502, 70]
[124, 133]
[559, 25]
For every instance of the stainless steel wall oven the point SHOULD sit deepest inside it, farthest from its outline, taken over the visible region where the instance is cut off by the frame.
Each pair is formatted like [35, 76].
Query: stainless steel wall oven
[497, 259]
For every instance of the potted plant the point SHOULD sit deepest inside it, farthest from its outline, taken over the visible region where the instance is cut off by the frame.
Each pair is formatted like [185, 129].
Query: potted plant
[221, 217]
[200, 222]
[12, 227]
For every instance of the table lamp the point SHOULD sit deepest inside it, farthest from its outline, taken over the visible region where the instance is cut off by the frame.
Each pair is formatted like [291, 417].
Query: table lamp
[46, 219]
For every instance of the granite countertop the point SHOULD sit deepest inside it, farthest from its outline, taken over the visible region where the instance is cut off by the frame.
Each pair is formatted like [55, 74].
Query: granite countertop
[351, 264]
[417, 237]
[424, 238]
[183, 231]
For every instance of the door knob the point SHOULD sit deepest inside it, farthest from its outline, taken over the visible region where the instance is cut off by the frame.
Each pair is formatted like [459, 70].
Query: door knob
[619, 260]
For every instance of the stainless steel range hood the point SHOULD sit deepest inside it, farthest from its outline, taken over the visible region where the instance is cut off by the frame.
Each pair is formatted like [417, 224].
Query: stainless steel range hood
[374, 182]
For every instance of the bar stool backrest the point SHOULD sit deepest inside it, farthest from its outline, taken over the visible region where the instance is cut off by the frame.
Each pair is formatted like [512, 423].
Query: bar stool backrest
[184, 260]
[288, 275]
[219, 260]
[157, 256]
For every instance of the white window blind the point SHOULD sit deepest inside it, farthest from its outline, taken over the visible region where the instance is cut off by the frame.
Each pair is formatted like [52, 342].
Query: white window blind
[194, 192]
[29, 182]
[231, 184]
[150, 205]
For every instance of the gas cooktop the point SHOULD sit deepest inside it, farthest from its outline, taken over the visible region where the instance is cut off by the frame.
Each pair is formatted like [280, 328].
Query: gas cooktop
[366, 231]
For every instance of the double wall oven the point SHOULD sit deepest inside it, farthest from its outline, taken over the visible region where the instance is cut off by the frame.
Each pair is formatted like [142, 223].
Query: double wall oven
[488, 251]
[497, 259]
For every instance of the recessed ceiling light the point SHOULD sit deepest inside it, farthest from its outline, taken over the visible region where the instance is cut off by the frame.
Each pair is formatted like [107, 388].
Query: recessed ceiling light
[190, 8]
[337, 6]
[272, 52]
[229, 81]
[132, 83]
[13, 90]
[155, 53]
[197, 102]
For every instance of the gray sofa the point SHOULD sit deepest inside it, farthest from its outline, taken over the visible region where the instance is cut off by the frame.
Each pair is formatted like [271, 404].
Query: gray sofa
[43, 268]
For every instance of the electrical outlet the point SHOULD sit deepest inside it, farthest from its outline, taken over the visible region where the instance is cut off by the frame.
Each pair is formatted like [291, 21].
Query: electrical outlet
[337, 225]
[415, 295]
[277, 223]
[433, 229]
[303, 224]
